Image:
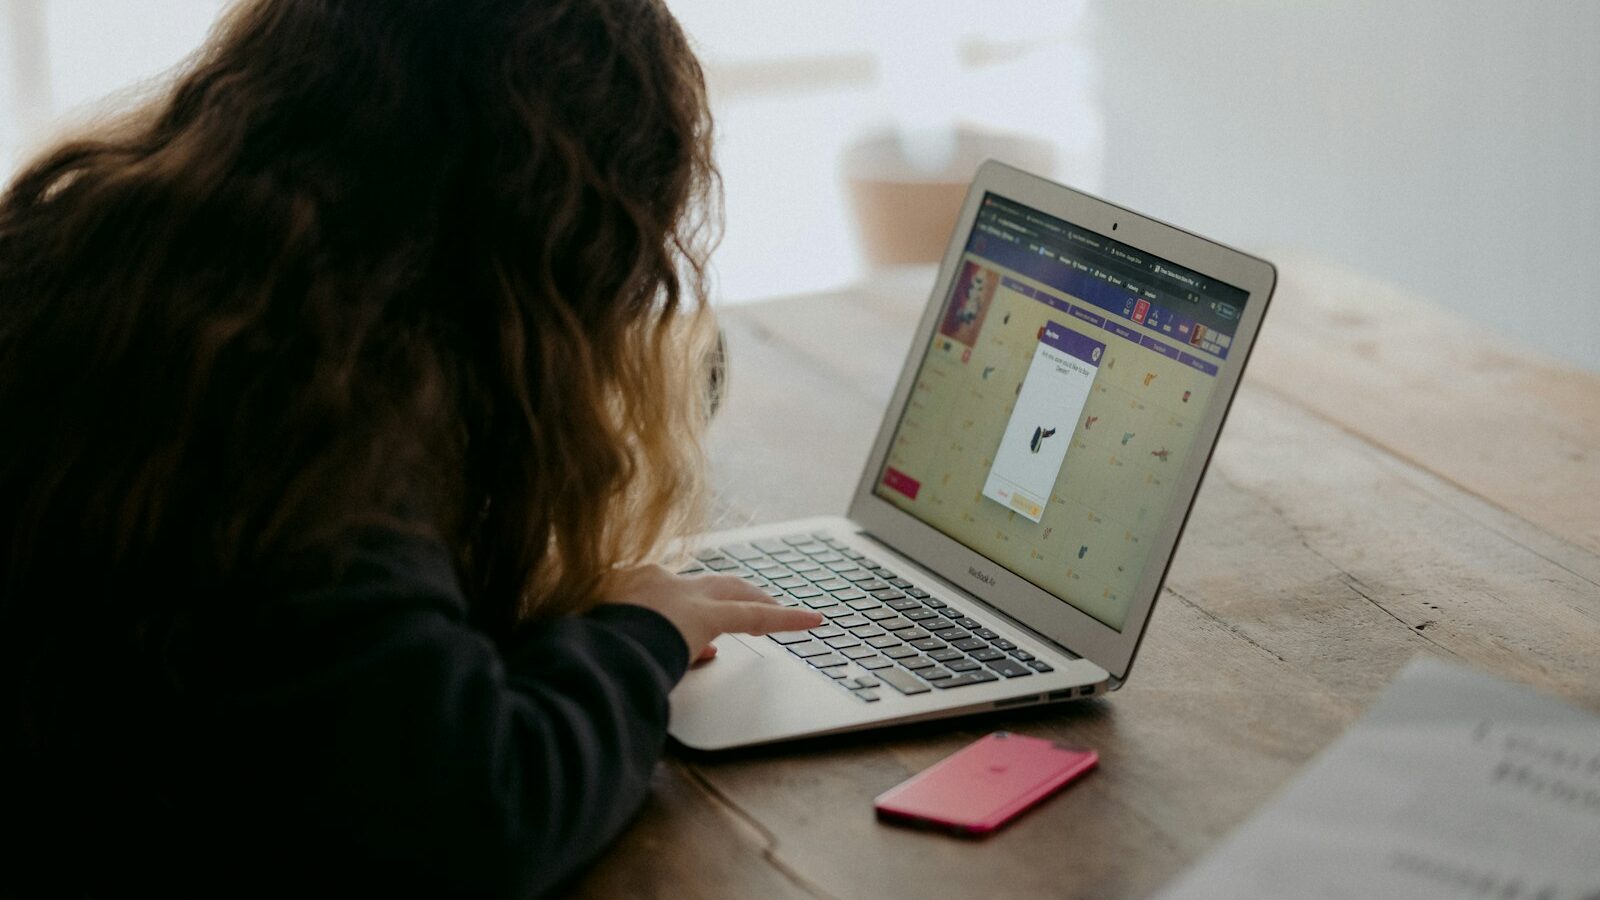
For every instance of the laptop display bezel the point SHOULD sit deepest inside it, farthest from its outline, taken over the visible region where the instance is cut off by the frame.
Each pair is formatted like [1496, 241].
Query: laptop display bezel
[986, 579]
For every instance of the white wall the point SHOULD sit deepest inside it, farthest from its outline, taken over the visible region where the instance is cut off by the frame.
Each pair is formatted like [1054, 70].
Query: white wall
[1452, 148]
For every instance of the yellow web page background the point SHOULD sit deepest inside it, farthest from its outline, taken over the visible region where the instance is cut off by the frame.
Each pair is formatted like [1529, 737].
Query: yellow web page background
[1115, 486]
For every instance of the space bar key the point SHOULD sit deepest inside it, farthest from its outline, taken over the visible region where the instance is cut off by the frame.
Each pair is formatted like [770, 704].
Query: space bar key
[902, 681]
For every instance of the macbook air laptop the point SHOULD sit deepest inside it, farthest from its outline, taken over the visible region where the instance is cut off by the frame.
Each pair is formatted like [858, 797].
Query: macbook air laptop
[1026, 490]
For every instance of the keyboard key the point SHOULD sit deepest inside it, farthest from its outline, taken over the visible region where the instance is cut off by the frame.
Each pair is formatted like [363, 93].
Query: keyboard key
[835, 672]
[858, 652]
[848, 594]
[903, 604]
[853, 554]
[1002, 644]
[763, 564]
[788, 556]
[950, 634]
[742, 552]
[770, 546]
[881, 572]
[721, 564]
[790, 581]
[951, 613]
[833, 612]
[895, 623]
[1038, 665]
[874, 584]
[969, 644]
[899, 652]
[884, 640]
[917, 662]
[986, 634]
[843, 641]
[921, 615]
[916, 592]
[867, 631]
[809, 648]
[811, 548]
[832, 584]
[820, 601]
[856, 575]
[899, 583]
[809, 569]
[827, 631]
[881, 613]
[803, 593]
[876, 663]
[903, 681]
[928, 643]
[790, 637]
[869, 696]
[1020, 654]
[958, 665]
[969, 624]
[863, 604]
[911, 634]
[932, 602]
[850, 621]
[826, 558]
[867, 681]
[946, 655]
[934, 674]
[798, 539]
[1010, 668]
[823, 536]
[828, 661]
[843, 565]
[987, 654]
[956, 681]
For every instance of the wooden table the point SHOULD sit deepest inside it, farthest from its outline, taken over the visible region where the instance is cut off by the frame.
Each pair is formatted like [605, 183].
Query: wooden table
[1392, 481]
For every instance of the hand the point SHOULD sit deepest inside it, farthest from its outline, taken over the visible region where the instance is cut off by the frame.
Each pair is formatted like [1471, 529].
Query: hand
[704, 606]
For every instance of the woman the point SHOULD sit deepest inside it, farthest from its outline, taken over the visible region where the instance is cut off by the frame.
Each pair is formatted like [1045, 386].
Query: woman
[349, 389]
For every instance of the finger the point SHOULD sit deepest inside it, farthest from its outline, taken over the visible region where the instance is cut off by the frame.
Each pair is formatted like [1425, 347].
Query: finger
[709, 651]
[764, 618]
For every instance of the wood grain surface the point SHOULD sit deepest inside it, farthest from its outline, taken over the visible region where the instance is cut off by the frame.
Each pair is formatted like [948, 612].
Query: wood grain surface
[1392, 481]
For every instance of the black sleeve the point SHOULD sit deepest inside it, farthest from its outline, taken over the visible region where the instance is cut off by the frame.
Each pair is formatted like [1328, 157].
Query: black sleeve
[366, 731]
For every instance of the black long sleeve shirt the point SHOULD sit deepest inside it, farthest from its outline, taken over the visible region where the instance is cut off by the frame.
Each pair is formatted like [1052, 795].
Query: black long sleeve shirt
[362, 739]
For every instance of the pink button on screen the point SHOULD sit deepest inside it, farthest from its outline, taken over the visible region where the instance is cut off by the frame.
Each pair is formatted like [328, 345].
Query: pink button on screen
[901, 482]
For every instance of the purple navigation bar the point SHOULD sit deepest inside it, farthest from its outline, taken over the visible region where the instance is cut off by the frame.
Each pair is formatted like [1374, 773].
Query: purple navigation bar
[1088, 345]
[1017, 286]
[1160, 347]
[1197, 363]
[1081, 313]
[1114, 298]
[1122, 331]
[1070, 342]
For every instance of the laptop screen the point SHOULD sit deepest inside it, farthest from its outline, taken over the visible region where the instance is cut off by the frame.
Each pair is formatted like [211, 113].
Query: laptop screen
[1058, 401]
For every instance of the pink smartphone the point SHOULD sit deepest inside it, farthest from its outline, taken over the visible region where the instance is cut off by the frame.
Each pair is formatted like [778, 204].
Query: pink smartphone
[985, 784]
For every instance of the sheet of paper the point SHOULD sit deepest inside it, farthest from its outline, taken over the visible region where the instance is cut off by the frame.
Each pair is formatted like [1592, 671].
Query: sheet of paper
[1455, 784]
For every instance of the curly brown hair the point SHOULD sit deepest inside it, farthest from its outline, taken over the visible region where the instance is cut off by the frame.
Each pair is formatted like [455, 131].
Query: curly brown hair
[438, 262]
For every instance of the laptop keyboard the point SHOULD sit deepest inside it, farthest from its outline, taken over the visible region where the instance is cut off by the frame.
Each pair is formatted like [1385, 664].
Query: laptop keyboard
[881, 629]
